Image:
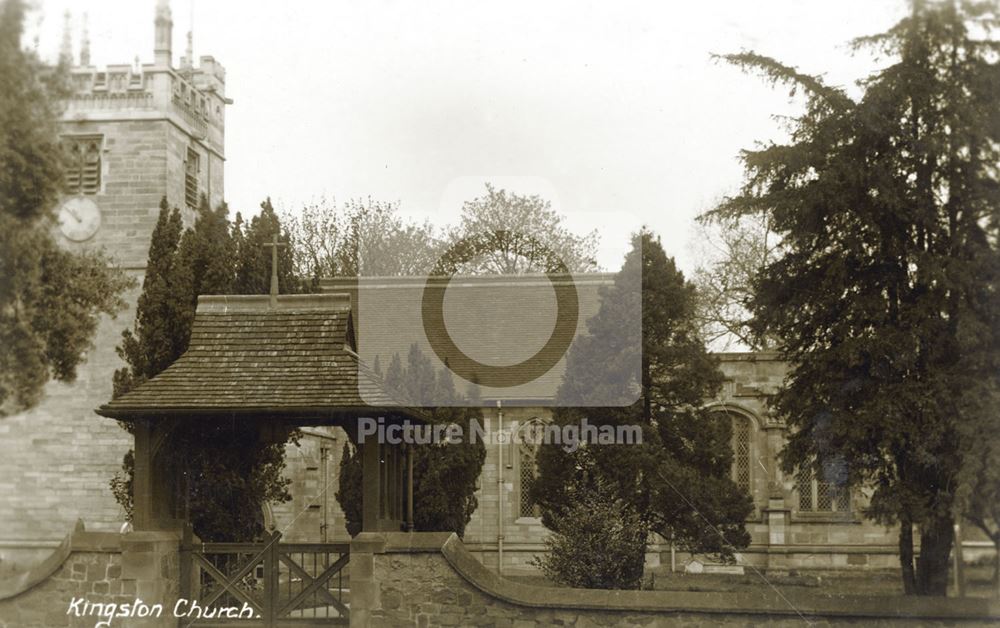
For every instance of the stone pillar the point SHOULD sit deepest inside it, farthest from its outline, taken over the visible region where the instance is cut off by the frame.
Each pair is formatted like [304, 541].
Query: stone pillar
[151, 559]
[365, 597]
[777, 515]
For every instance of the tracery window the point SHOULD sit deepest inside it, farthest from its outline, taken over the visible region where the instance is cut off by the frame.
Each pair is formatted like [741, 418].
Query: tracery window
[83, 164]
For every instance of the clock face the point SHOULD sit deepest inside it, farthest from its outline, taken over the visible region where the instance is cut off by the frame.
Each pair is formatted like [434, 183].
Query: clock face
[79, 218]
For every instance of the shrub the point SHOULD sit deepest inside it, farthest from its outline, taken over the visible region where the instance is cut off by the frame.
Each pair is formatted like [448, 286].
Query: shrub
[601, 543]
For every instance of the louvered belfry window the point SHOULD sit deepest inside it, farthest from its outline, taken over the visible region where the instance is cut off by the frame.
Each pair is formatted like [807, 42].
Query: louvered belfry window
[83, 164]
[191, 169]
[741, 452]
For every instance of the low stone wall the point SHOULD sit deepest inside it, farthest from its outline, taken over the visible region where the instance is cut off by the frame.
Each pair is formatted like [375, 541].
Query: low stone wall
[431, 579]
[95, 568]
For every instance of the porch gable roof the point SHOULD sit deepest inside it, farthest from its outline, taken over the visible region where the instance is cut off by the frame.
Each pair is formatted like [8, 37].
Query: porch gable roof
[293, 359]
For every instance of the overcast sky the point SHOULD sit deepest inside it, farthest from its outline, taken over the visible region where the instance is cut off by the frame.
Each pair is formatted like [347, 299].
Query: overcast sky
[612, 110]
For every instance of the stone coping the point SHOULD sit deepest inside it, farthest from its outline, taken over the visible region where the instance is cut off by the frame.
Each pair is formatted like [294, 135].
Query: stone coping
[78, 540]
[21, 582]
[400, 542]
[660, 548]
[763, 602]
[82, 541]
[29, 544]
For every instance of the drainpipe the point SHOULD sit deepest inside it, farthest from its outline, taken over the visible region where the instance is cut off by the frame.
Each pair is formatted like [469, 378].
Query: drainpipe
[500, 488]
[324, 454]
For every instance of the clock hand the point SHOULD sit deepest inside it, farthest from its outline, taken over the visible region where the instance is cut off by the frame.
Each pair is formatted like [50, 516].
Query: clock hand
[72, 212]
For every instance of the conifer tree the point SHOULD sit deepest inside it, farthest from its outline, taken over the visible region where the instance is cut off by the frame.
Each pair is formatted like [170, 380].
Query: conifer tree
[253, 266]
[394, 376]
[884, 292]
[155, 340]
[677, 480]
[206, 257]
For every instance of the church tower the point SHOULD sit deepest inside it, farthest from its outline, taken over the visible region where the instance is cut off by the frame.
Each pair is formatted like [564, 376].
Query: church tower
[136, 133]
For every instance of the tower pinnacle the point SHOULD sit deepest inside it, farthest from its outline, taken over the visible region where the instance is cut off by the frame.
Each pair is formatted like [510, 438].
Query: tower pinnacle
[188, 61]
[164, 33]
[85, 43]
[66, 47]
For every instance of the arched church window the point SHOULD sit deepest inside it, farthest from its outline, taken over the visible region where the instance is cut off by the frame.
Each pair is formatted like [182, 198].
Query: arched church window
[742, 432]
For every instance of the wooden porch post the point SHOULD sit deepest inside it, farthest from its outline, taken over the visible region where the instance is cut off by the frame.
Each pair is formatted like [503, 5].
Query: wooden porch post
[142, 483]
[410, 526]
[371, 485]
[153, 499]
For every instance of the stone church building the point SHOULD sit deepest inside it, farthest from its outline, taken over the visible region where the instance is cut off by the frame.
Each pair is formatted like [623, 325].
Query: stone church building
[139, 132]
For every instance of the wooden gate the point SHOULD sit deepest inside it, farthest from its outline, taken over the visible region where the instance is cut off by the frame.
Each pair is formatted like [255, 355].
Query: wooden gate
[264, 584]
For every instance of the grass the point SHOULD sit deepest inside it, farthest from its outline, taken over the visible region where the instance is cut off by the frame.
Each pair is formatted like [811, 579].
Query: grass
[979, 582]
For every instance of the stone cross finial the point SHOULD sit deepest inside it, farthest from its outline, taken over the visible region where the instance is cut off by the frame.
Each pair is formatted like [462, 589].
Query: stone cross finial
[274, 245]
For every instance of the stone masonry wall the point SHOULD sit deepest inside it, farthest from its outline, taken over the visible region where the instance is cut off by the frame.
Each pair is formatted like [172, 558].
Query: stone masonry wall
[93, 575]
[56, 460]
[313, 466]
[399, 580]
[210, 171]
[96, 568]
[133, 180]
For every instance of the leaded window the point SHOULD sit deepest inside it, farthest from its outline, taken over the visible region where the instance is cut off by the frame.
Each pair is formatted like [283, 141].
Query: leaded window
[803, 486]
[527, 471]
[741, 452]
[83, 164]
[820, 495]
[191, 169]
